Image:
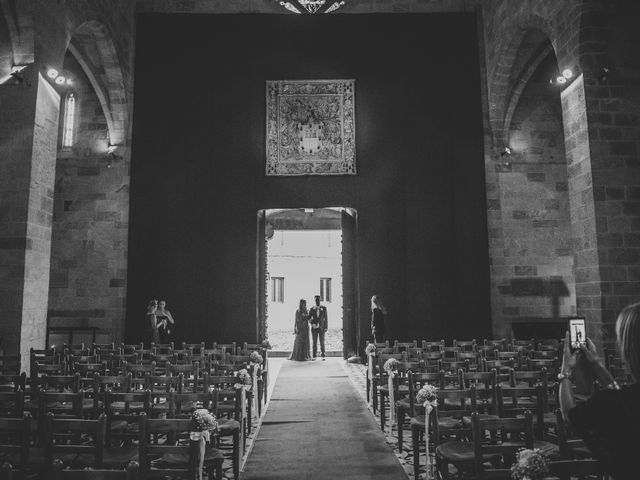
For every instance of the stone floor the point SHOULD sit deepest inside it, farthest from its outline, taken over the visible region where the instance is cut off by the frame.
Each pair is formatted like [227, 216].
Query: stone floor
[283, 340]
[357, 374]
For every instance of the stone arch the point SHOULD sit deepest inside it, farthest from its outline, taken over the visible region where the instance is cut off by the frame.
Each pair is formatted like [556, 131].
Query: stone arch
[92, 46]
[19, 20]
[501, 86]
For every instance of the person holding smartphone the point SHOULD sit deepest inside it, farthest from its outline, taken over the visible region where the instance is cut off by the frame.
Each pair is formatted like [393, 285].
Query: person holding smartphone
[609, 421]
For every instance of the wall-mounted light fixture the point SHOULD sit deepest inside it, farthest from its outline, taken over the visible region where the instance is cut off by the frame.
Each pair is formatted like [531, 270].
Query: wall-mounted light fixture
[60, 79]
[563, 78]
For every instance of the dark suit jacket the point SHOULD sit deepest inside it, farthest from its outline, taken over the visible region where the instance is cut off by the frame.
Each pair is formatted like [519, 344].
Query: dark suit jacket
[318, 316]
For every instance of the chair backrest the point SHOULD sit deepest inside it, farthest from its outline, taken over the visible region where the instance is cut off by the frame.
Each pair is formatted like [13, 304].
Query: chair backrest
[515, 401]
[14, 440]
[587, 468]
[416, 380]
[182, 405]
[13, 382]
[158, 437]
[466, 345]
[125, 407]
[60, 473]
[75, 436]
[505, 437]
[12, 404]
[10, 364]
[462, 404]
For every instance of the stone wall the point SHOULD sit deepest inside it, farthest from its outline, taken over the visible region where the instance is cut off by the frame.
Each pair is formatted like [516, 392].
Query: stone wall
[88, 257]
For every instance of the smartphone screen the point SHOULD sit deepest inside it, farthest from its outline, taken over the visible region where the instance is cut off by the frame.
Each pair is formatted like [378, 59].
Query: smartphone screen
[577, 333]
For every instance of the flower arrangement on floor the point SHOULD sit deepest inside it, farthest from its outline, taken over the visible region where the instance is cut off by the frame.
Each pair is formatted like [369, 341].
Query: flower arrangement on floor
[203, 424]
[531, 464]
[255, 357]
[370, 350]
[391, 366]
[266, 344]
[427, 395]
[244, 379]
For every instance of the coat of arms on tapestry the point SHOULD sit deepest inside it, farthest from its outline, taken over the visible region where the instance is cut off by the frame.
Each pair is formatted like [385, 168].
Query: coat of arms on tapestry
[310, 127]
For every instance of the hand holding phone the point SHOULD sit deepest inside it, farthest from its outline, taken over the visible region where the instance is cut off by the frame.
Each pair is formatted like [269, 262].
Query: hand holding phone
[577, 333]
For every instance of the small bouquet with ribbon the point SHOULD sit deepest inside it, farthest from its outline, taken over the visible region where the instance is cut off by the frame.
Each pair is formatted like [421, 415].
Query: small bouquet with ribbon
[203, 424]
[244, 379]
[427, 396]
[531, 464]
[255, 357]
[370, 350]
[266, 345]
[391, 366]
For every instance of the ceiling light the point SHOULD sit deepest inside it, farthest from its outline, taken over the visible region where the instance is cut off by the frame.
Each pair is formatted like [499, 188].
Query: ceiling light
[567, 73]
[60, 80]
[52, 73]
[311, 6]
[561, 80]
[69, 81]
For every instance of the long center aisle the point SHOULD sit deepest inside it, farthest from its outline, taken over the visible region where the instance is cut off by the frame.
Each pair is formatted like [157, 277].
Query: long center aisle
[317, 426]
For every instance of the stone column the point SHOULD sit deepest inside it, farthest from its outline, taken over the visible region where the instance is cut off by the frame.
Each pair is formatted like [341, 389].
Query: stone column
[28, 138]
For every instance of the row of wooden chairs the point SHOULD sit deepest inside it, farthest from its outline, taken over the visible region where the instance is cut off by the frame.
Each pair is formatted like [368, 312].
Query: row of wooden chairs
[122, 412]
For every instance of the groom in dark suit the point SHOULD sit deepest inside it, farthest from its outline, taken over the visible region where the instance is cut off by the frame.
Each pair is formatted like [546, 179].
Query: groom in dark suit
[318, 322]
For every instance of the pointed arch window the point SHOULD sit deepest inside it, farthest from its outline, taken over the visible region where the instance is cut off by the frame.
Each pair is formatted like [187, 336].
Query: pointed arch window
[69, 126]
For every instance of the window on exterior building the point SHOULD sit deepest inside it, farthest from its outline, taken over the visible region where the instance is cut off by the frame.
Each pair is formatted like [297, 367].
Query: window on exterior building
[277, 289]
[325, 289]
[69, 127]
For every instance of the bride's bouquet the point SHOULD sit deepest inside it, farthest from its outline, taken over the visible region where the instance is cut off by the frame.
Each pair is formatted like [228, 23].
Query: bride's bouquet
[530, 465]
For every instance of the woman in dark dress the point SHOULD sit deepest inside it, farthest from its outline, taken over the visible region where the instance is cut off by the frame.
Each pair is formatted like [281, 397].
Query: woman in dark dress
[609, 421]
[151, 326]
[301, 344]
[377, 319]
[165, 322]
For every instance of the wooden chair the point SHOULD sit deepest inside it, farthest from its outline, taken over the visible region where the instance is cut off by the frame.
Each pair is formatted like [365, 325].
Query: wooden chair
[196, 348]
[506, 437]
[466, 345]
[123, 415]
[169, 456]
[577, 469]
[77, 442]
[571, 446]
[381, 386]
[10, 364]
[60, 473]
[404, 403]
[12, 383]
[449, 433]
[12, 404]
[15, 449]
[231, 409]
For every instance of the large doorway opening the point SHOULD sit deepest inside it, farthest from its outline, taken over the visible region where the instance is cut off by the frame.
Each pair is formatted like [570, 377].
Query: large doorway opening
[307, 252]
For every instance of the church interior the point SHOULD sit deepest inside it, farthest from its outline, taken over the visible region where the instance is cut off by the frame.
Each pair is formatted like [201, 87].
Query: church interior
[483, 179]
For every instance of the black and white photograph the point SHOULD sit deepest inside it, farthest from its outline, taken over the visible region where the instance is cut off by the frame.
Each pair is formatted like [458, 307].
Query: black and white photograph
[317, 239]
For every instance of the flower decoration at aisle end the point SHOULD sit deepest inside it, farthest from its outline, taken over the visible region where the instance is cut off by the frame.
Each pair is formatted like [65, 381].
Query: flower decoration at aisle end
[370, 350]
[255, 357]
[266, 344]
[244, 379]
[202, 420]
[391, 366]
[531, 464]
[427, 395]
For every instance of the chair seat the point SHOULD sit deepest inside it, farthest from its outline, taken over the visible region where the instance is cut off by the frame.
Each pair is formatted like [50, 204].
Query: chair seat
[227, 427]
[37, 457]
[549, 449]
[133, 406]
[482, 416]
[444, 422]
[119, 457]
[211, 454]
[456, 452]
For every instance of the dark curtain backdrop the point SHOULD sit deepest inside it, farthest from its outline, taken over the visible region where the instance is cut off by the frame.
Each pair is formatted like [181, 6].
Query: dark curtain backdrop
[198, 181]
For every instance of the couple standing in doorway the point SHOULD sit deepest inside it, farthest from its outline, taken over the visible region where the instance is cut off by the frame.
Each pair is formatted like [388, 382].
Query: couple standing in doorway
[316, 318]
